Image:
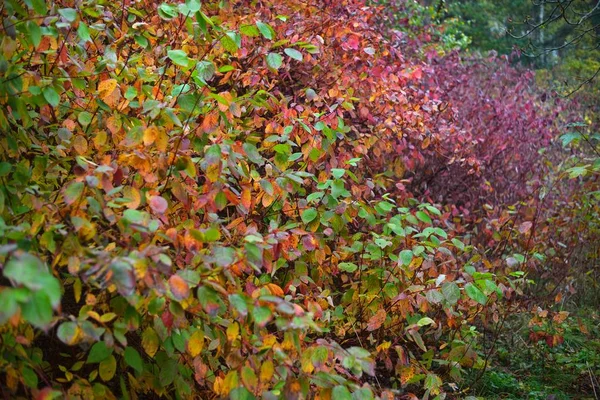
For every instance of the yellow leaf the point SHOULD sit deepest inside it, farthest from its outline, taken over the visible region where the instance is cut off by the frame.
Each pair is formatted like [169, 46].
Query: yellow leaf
[77, 288]
[306, 362]
[384, 346]
[106, 87]
[108, 317]
[231, 382]
[150, 135]
[213, 171]
[150, 341]
[133, 195]
[233, 331]
[266, 371]
[80, 145]
[108, 92]
[249, 378]
[267, 199]
[195, 343]
[162, 140]
[107, 368]
[94, 315]
[218, 385]
[100, 139]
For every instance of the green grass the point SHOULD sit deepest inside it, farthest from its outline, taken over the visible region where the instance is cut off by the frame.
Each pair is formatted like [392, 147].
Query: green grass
[524, 369]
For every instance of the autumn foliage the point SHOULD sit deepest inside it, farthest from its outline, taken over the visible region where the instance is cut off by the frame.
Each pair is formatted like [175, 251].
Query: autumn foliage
[252, 199]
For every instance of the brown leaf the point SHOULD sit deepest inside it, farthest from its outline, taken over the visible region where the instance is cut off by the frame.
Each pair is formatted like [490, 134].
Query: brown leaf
[525, 227]
[80, 145]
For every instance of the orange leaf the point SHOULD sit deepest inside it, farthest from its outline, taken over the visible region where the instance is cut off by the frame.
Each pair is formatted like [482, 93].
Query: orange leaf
[377, 320]
[179, 287]
[247, 198]
[275, 290]
[210, 122]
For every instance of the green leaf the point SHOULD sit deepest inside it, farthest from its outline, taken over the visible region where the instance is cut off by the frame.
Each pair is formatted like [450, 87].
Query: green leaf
[309, 215]
[69, 332]
[29, 378]
[179, 57]
[265, 30]
[261, 315]
[341, 393]
[451, 292]
[347, 267]
[293, 53]
[133, 359]
[567, 138]
[8, 305]
[51, 96]
[135, 216]
[70, 14]
[38, 310]
[193, 5]
[83, 32]
[406, 256]
[249, 30]
[210, 300]
[206, 70]
[338, 172]
[474, 293]
[239, 303]
[458, 244]
[168, 11]
[274, 60]
[35, 33]
[98, 353]
[51, 286]
[241, 393]
[253, 154]
[5, 168]
[73, 192]
[29, 271]
[425, 321]
[229, 41]
[84, 118]
[39, 6]
[433, 383]
[423, 217]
